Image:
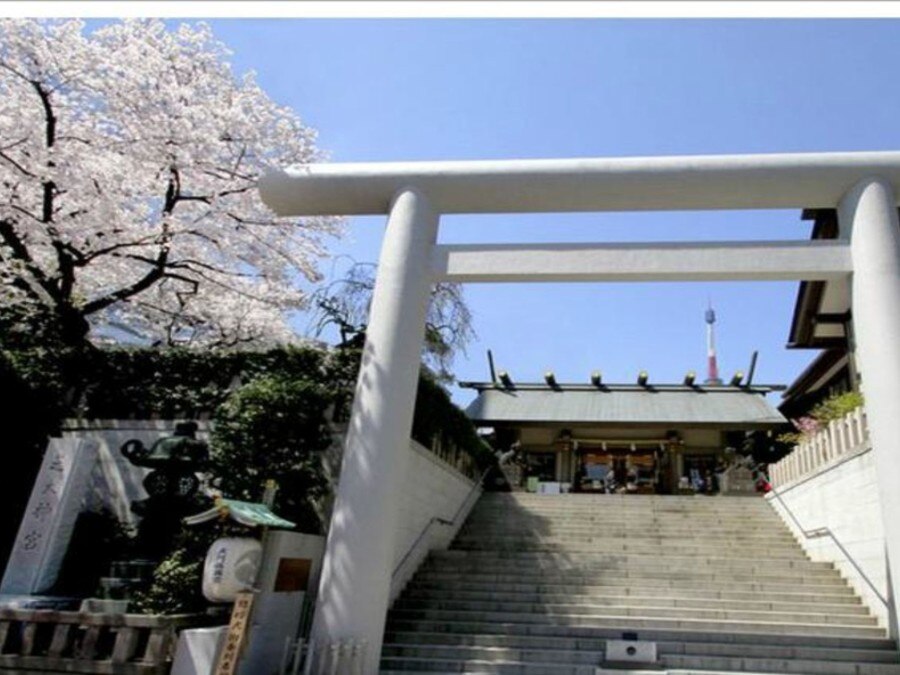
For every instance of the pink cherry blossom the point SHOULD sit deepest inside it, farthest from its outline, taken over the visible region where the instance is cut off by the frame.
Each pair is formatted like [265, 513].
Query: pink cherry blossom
[128, 166]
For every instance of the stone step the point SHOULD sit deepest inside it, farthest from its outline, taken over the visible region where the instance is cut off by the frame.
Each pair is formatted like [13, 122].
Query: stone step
[412, 670]
[550, 599]
[623, 501]
[531, 613]
[538, 557]
[764, 515]
[821, 660]
[630, 577]
[469, 652]
[722, 543]
[587, 496]
[632, 574]
[679, 500]
[624, 520]
[768, 532]
[773, 665]
[535, 585]
[650, 531]
[433, 664]
[667, 535]
[611, 505]
[721, 554]
[574, 626]
[588, 545]
[619, 502]
[865, 653]
[681, 528]
[754, 526]
[761, 511]
[406, 665]
[651, 588]
[492, 561]
[529, 632]
[733, 548]
[686, 531]
[751, 519]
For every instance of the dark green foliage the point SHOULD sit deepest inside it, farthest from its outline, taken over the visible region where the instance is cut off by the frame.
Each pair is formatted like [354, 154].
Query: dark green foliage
[177, 581]
[174, 383]
[125, 383]
[274, 428]
[25, 328]
[837, 406]
[436, 415]
[176, 587]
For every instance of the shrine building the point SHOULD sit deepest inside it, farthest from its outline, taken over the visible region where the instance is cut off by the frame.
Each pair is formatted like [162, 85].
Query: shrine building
[643, 437]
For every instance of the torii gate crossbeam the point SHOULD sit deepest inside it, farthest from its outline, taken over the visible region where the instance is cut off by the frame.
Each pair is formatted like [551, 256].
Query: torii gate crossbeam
[356, 578]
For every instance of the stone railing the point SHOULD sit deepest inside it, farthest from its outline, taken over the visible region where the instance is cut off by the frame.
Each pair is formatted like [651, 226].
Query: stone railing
[840, 438]
[46, 641]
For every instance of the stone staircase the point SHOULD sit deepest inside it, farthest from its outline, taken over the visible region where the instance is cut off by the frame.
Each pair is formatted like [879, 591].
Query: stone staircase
[536, 585]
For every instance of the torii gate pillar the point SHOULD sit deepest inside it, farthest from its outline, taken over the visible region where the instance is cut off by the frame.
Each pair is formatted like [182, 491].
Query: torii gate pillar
[359, 555]
[868, 217]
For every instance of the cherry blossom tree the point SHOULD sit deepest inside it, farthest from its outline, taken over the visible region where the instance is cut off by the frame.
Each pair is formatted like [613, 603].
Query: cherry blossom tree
[128, 166]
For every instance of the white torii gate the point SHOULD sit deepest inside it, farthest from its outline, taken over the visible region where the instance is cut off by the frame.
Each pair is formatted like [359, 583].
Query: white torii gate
[356, 577]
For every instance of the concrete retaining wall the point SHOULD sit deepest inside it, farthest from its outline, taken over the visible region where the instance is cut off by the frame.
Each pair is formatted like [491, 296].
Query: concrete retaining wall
[432, 489]
[842, 496]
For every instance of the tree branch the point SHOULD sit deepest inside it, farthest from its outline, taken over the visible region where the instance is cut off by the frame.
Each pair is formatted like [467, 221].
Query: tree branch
[65, 261]
[20, 252]
[17, 166]
[158, 269]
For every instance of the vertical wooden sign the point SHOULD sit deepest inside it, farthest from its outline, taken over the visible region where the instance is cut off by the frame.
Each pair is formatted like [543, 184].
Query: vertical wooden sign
[237, 633]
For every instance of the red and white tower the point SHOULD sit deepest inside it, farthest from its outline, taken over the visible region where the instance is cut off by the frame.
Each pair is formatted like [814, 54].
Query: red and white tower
[712, 375]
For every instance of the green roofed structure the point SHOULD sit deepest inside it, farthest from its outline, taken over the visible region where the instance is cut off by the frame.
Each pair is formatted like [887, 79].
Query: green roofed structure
[250, 514]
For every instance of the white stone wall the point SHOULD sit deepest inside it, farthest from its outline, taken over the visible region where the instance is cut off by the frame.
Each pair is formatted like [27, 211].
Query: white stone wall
[843, 497]
[432, 489]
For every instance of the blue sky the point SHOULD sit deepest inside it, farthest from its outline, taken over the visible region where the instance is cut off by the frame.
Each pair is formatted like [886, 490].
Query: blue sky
[386, 89]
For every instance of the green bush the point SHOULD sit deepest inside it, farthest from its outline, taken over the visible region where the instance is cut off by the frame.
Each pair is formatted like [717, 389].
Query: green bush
[834, 407]
[837, 406]
[176, 587]
[174, 383]
[274, 427]
[436, 415]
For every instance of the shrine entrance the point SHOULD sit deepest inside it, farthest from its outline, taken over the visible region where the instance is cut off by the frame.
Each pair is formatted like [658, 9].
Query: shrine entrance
[862, 186]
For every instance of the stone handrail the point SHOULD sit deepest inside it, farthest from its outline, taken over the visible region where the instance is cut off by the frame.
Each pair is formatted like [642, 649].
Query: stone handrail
[839, 438]
[48, 641]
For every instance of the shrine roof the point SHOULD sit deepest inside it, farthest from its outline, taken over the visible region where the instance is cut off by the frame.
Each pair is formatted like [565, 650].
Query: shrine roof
[715, 406]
